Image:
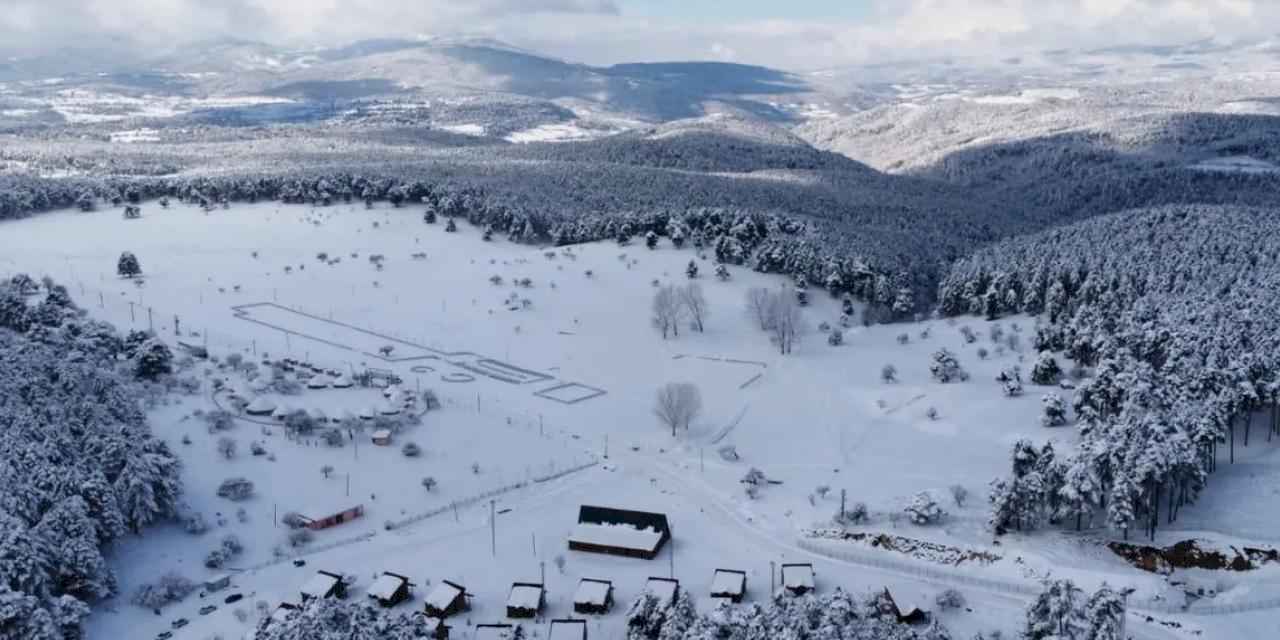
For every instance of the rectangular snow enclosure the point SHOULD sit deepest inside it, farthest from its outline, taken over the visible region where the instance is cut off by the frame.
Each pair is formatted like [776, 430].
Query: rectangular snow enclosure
[445, 600]
[525, 600]
[730, 584]
[593, 596]
[390, 589]
[568, 630]
[324, 585]
[318, 518]
[218, 583]
[494, 632]
[664, 589]
[622, 532]
[798, 579]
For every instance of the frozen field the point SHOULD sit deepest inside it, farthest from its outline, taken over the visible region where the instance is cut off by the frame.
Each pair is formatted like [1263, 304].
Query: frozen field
[532, 389]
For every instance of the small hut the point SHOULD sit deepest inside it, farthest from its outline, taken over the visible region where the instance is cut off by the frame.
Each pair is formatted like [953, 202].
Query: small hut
[447, 599]
[390, 589]
[382, 437]
[906, 611]
[593, 596]
[217, 583]
[389, 408]
[664, 589]
[324, 585]
[729, 584]
[261, 406]
[342, 382]
[436, 628]
[322, 518]
[567, 630]
[494, 632]
[525, 600]
[320, 381]
[798, 579]
[281, 412]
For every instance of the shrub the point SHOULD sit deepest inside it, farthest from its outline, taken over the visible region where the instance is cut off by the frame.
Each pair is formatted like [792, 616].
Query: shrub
[1046, 370]
[946, 368]
[959, 494]
[293, 520]
[300, 537]
[931, 413]
[235, 489]
[889, 373]
[924, 510]
[411, 450]
[194, 523]
[855, 514]
[949, 599]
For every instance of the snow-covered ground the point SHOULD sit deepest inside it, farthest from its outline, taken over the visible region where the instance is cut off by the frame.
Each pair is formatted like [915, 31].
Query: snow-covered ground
[1236, 164]
[819, 417]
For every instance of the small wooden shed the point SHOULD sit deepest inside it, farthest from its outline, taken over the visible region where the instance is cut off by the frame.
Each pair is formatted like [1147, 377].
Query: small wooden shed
[217, 583]
[390, 589]
[621, 532]
[324, 585]
[798, 579]
[593, 596]
[525, 600]
[664, 589]
[323, 518]
[381, 437]
[729, 584]
[446, 599]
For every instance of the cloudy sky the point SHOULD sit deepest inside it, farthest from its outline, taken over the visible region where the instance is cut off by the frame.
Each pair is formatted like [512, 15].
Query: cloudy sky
[796, 34]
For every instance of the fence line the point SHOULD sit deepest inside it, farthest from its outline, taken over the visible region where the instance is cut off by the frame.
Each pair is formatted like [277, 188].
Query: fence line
[840, 551]
[466, 502]
[311, 551]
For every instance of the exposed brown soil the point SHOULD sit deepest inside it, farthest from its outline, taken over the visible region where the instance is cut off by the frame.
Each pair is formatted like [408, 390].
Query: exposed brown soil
[1188, 554]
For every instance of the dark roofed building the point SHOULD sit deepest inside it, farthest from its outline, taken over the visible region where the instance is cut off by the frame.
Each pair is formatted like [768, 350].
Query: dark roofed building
[447, 599]
[798, 579]
[525, 600]
[593, 596]
[729, 584]
[622, 532]
[390, 589]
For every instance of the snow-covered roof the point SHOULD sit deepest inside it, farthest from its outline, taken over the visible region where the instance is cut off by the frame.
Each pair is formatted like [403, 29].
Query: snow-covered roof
[389, 408]
[494, 632]
[260, 384]
[728, 582]
[797, 576]
[319, 585]
[368, 413]
[524, 596]
[318, 415]
[381, 433]
[261, 404]
[320, 381]
[592, 592]
[342, 382]
[392, 391]
[282, 411]
[662, 589]
[443, 595]
[385, 587]
[622, 536]
[568, 630]
[321, 509]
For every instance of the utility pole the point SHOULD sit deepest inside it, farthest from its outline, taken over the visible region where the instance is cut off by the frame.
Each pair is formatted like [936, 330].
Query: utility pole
[702, 463]
[132, 319]
[150, 324]
[773, 587]
[493, 527]
[348, 485]
[842, 495]
[671, 554]
[177, 326]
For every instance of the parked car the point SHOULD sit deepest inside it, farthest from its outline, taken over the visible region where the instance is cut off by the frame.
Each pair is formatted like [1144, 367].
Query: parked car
[235, 597]
[180, 623]
[164, 635]
[208, 609]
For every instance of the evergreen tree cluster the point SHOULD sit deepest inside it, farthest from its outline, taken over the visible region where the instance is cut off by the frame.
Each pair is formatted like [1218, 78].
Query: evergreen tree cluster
[78, 462]
[1175, 312]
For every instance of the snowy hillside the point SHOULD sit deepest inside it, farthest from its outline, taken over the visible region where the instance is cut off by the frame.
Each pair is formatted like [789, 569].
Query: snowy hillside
[532, 389]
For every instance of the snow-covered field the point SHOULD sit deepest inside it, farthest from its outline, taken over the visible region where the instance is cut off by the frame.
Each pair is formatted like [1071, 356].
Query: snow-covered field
[821, 416]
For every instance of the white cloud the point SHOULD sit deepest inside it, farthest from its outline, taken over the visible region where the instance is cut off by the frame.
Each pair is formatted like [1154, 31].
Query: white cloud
[597, 31]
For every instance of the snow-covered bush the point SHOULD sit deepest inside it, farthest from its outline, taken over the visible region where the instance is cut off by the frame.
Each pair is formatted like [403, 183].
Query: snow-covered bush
[1012, 387]
[889, 373]
[429, 483]
[923, 509]
[300, 537]
[966, 332]
[293, 520]
[333, 438]
[856, 514]
[1045, 371]
[1054, 410]
[946, 368]
[235, 489]
[835, 338]
[411, 450]
[949, 599]
[959, 494]
[931, 413]
[226, 447]
[194, 523]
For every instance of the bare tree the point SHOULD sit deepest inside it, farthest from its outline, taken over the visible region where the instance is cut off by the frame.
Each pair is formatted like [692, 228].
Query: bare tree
[667, 311]
[784, 321]
[758, 305]
[695, 304]
[227, 447]
[677, 404]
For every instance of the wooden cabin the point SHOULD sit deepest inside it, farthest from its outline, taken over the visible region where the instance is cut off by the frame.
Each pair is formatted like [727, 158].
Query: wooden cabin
[381, 437]
[525, 600]
[324, 585]
[390, 589]
[217, 583]
[907, 612]
[446, 599]
[621, 532]
[664, 589]
[436, 628]
[567, 630]
[729, 584]
[798, 579]
[593, 596]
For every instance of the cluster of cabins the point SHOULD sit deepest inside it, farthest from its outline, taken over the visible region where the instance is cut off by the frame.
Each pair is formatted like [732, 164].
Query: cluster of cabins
[599, 530]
